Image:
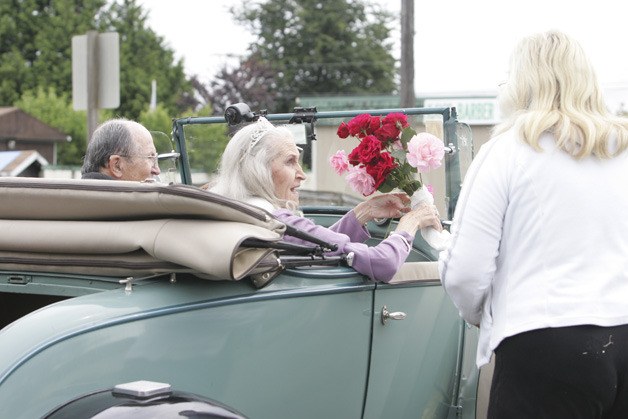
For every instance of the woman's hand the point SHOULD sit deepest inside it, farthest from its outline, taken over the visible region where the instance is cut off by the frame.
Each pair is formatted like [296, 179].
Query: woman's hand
[422, 216]
[390, 205]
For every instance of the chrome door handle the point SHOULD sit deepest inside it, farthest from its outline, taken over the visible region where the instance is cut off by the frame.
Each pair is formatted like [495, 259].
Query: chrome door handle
[395, 315]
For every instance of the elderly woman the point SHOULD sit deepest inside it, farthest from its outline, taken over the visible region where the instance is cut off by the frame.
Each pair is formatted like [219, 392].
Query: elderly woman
[260, 165]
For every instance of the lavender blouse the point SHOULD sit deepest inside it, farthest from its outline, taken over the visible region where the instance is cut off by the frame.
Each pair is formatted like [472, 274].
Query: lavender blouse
[380, 263]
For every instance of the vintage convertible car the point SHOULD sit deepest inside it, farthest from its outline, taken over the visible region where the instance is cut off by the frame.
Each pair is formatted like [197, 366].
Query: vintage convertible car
[115, 292]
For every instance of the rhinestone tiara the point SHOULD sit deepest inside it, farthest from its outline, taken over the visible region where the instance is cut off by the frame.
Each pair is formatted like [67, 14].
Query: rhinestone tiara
[262, 126]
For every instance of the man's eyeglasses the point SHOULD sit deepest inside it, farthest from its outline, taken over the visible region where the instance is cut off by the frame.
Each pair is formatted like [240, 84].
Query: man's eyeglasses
[153, 158]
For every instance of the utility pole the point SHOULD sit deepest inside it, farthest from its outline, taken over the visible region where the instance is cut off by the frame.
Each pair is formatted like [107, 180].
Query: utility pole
[93, 79]
[406, 87]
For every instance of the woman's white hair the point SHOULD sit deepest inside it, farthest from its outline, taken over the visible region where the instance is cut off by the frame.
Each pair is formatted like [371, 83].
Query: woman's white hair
[552, 87]
[245, 166]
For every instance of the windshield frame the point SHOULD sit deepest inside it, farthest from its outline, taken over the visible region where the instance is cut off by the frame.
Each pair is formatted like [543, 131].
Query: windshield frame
[450, 123]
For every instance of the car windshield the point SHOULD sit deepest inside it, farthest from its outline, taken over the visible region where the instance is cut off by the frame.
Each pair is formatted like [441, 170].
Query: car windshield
[201, 140]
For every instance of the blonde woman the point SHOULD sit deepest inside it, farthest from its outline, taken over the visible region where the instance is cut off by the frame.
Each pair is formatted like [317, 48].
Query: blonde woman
[539, 251]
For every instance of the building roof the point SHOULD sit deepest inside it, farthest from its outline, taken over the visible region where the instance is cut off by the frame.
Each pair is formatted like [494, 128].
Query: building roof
[15, 124]
[12, 163]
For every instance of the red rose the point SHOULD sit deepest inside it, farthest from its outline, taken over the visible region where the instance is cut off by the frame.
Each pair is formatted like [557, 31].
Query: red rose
[343, 130]
[380, 168]
[374, 124]
[398, 119]
[358, 126]
[368, 150]
[387, 132]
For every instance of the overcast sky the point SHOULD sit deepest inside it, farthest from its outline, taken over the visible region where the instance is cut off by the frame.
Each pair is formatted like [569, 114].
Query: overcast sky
[460, 45]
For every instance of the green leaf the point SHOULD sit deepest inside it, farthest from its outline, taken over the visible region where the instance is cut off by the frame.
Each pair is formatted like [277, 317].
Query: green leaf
[387, 186]
[399, 155]
[406, 135]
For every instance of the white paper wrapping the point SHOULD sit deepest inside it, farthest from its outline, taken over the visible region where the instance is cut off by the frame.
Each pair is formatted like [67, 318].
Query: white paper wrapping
[439, 240]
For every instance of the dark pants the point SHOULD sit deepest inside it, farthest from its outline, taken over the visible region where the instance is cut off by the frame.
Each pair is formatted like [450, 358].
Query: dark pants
[567, 372]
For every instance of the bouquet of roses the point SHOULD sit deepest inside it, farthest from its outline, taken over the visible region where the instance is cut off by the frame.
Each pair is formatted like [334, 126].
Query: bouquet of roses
[389, 155]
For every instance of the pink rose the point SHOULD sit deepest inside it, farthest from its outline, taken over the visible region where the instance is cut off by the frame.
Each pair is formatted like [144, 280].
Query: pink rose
[361, 181]
[425, 152]
[339, 162]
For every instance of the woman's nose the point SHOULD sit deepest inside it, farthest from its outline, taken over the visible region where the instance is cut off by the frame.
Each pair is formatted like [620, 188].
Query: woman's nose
[301, 173]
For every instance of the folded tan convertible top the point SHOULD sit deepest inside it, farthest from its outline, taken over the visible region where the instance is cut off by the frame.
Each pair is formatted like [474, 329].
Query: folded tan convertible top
[99, 227]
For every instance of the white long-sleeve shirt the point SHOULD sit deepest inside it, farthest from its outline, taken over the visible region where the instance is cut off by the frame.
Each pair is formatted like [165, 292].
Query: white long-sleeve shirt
[539, 240]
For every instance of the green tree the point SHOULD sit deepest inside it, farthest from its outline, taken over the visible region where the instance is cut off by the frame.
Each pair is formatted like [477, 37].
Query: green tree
[314, 47]
[56, 111]
[35, 43]
[36, 55]
[60, 20]
[36, 51]
[160, 124]
[253, 83]
[205, 143]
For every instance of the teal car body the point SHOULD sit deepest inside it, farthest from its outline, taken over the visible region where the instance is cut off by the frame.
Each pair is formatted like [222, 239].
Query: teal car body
[318, 340]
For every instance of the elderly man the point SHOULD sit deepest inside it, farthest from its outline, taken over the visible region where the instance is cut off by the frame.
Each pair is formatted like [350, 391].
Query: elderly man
[120, 149]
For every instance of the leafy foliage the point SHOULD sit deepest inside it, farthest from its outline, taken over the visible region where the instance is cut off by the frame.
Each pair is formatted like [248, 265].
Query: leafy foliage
[160, 124]
[253, 82]
[36, 63]
[320, 47]
[303, 47]
[35, 43]
[205, 143]
[205, 146]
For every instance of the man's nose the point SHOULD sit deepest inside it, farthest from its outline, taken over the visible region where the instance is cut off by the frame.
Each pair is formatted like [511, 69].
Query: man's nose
[155, 170]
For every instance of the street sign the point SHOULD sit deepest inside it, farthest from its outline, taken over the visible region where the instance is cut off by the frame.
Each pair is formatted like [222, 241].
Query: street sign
[96, 66]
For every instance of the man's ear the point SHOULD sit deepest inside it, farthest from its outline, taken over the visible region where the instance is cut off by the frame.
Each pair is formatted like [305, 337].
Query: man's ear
[115, 166]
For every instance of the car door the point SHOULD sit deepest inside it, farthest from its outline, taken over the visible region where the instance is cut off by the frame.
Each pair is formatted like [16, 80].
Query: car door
[414, 360]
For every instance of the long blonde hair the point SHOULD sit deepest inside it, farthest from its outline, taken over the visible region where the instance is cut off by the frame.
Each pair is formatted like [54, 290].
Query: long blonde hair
[552, 87]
